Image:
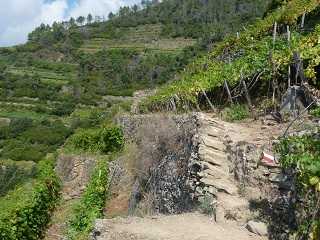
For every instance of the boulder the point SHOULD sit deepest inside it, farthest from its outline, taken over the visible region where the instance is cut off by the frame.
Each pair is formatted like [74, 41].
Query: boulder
[258, 228]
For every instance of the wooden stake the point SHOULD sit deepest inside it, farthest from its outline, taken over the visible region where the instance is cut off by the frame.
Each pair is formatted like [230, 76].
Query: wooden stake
[302, 20]
[275, 33]
[228, 91]
[173, 104]
[247, 93]
[289, 76]
[208, 100]
[238, 35]
[288, 35]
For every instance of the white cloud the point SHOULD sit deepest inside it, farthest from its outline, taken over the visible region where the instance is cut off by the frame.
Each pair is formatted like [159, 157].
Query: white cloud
[19, 17]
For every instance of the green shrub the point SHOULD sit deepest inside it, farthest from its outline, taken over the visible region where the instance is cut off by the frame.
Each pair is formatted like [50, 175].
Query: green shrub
[207, 205]
[316, 112]
[25, 213]
[302, 154]
[104, 140]
[19, 150]
[236, 112]
[91, 204]
[29, 141]
[13, 173]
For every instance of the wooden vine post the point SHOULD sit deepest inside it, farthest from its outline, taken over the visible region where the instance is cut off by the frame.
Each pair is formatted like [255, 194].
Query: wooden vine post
[289, 36]
[275, 33]
[289, 76]
[303, 20]
[228, 91]
[246, 92]
[208, 100]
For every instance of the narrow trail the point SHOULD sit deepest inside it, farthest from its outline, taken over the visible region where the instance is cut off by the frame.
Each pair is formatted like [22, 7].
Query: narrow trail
[214, 136]
[190, 226]
[74, 171]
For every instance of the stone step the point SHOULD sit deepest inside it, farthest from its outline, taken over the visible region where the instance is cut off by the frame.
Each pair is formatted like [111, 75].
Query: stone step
[224, 185]
[214, 160]
[212, 143]
[214, 153]
[214, 133]
[224, 168]
[215, 173]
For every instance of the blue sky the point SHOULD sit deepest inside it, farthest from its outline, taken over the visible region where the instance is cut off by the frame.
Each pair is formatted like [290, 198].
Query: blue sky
[19, 17]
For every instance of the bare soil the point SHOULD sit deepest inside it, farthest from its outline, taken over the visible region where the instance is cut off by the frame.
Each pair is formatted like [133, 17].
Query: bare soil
[191, 226]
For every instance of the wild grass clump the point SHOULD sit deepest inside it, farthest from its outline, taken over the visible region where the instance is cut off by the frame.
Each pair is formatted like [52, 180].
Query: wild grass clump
[207, 205]
[235, 112]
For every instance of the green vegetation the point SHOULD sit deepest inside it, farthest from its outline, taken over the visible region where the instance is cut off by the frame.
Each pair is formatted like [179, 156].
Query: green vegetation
[26, 140]
[192, 18]
[103, 140]
[235, 112]
[248, 55]
[303, 155]
[316, 112]
[91, 204]
[26, 211]
[13, 173]
[54, 89]
[207, 206]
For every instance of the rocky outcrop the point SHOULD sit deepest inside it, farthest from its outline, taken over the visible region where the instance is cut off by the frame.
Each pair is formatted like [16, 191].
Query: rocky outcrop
[161, 167]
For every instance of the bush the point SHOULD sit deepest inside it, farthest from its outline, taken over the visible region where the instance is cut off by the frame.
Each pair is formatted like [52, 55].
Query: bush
[25, 140]
[235, 112]
[19, 150]
[316, 112]
[104, 140]
[24, 213]
[13, 173]
[91, 204]
[302, 154]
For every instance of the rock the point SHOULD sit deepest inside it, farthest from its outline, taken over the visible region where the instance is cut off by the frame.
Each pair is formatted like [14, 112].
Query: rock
[277, 178]
[213, 143]
[212, 190]
[222, 185]
[214, 172]
[258, 228]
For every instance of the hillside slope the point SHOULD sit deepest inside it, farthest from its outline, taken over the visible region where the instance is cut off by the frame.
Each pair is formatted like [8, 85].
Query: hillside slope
[256, 55]
[55, 98]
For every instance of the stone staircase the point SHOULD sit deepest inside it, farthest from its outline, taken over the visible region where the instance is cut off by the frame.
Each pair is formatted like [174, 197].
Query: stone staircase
[213, 176]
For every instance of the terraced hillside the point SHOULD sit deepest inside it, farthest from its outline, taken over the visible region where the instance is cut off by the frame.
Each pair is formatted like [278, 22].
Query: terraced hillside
[262, 52]
[55, 99]
[141, 38]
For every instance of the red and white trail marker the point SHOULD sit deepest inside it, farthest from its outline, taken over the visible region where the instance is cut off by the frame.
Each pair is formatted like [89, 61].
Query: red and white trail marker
[268, 160]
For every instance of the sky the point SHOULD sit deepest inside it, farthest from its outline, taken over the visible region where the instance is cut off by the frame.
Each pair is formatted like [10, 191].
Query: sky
[20, 17]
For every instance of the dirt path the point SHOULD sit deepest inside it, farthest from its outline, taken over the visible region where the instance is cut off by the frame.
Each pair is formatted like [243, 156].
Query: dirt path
[74, 171]
[194, 226]
[191, 226]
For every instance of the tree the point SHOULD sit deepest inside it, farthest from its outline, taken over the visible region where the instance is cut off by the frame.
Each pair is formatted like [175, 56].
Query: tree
[135, 8]
[111, 15]
[72, 22]
[89, 18]
[97, 19]
[81, 20]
